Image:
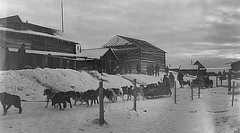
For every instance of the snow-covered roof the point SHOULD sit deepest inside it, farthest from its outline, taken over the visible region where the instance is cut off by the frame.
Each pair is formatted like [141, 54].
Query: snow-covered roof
[93, 53]
[86, 54]
[119, 40]
[48, 53]
[185, 66]
[58, 35]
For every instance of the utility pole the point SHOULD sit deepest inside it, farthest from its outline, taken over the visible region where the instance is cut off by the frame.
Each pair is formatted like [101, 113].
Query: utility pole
[135, 95]
[62, 15]
[101, 97]
[175, 92]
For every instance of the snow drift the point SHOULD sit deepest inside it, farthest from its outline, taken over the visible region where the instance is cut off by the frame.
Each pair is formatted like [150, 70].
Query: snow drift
[29, 84]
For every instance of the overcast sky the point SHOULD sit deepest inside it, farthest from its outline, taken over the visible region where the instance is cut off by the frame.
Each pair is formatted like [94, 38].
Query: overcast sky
[208, 30]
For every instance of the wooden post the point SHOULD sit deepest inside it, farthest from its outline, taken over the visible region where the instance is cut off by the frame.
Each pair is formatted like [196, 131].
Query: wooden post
[229, 80]
[175, 93]
[135, 95]
[45, 61]
[68, 64]
[221, 81]
[233, 92]
[101, 106]
[199, 91]
[192, 93]
[216, 81]
[75, 65]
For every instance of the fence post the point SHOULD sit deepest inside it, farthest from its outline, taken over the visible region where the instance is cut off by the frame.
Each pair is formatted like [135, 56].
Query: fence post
[191, 93]
[101, 106]
[175, 93]
[229, 80]
[199, 91]
[233, 87]
[221, 81]
[216, 81]
[135, 96]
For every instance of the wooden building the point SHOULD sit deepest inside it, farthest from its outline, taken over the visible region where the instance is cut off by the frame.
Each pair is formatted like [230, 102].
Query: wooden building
[136, 56]
[101, 59]
[41, 46]
[235, 66]
[191, 69]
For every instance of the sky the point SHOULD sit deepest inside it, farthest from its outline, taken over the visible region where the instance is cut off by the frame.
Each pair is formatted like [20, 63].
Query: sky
[205, 30]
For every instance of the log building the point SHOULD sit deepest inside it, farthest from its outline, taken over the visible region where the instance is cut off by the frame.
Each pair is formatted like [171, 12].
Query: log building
[41, 46]
[137, 56]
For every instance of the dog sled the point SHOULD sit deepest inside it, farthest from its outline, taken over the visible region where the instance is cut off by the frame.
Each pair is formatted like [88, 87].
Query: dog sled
[154, 91]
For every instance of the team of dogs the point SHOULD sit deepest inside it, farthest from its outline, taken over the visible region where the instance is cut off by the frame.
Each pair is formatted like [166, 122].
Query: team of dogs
[62, 98]
[89, 97]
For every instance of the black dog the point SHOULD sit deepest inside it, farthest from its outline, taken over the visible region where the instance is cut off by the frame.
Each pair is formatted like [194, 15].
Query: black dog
[128, 91]
[91, 95]
[8, 100]
[57, 98]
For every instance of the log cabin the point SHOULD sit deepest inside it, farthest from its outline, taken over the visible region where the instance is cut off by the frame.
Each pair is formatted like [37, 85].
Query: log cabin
[137, 56]
[235, 66]
[100, 59]
[26, 44]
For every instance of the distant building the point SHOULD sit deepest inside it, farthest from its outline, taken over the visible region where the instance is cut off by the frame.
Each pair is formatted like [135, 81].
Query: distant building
[191, 69]
[235, 66]
[101, 59]
[42, 46]
[136, 56]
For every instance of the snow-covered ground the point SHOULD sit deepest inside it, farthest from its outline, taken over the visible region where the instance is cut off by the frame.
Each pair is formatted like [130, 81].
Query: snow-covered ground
[212, 113]
[30, 83]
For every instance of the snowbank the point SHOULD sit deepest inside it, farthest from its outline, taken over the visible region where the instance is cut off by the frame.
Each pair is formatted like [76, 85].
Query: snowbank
[144, 79]
[30, 83]
[111, 81]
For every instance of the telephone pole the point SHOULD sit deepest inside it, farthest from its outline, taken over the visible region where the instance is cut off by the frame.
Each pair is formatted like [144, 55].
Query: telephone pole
[62, 15]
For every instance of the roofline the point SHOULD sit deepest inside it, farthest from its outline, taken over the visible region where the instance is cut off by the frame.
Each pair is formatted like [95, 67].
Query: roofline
[114, 54]
[104, 48]
[143, 41]
[56, 30]
[94, 48]
[50, 53]
[11, 16]
[48, 35]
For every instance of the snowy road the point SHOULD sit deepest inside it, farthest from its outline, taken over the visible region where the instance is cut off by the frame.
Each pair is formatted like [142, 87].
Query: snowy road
[212, 113]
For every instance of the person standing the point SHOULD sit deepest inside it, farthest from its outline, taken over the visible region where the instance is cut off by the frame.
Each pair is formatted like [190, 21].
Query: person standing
[172, 80]
[180, 78]
[166, 83]
[152, 70]
[157, 70]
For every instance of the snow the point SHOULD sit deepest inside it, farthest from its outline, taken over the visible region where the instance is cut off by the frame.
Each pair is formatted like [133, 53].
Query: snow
[30, 83]
[57, 36]
[48, 53]
[93, 53]
[111, 81]
[212, 113]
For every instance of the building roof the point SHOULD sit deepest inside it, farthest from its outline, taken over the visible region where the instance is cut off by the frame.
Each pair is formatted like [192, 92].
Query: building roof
[14, 18]
[235, 62]
[131, 41]
[30, 32]
[15, 24]
[60, 54]
[96, 53]
[184, 67]
[199, 64]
